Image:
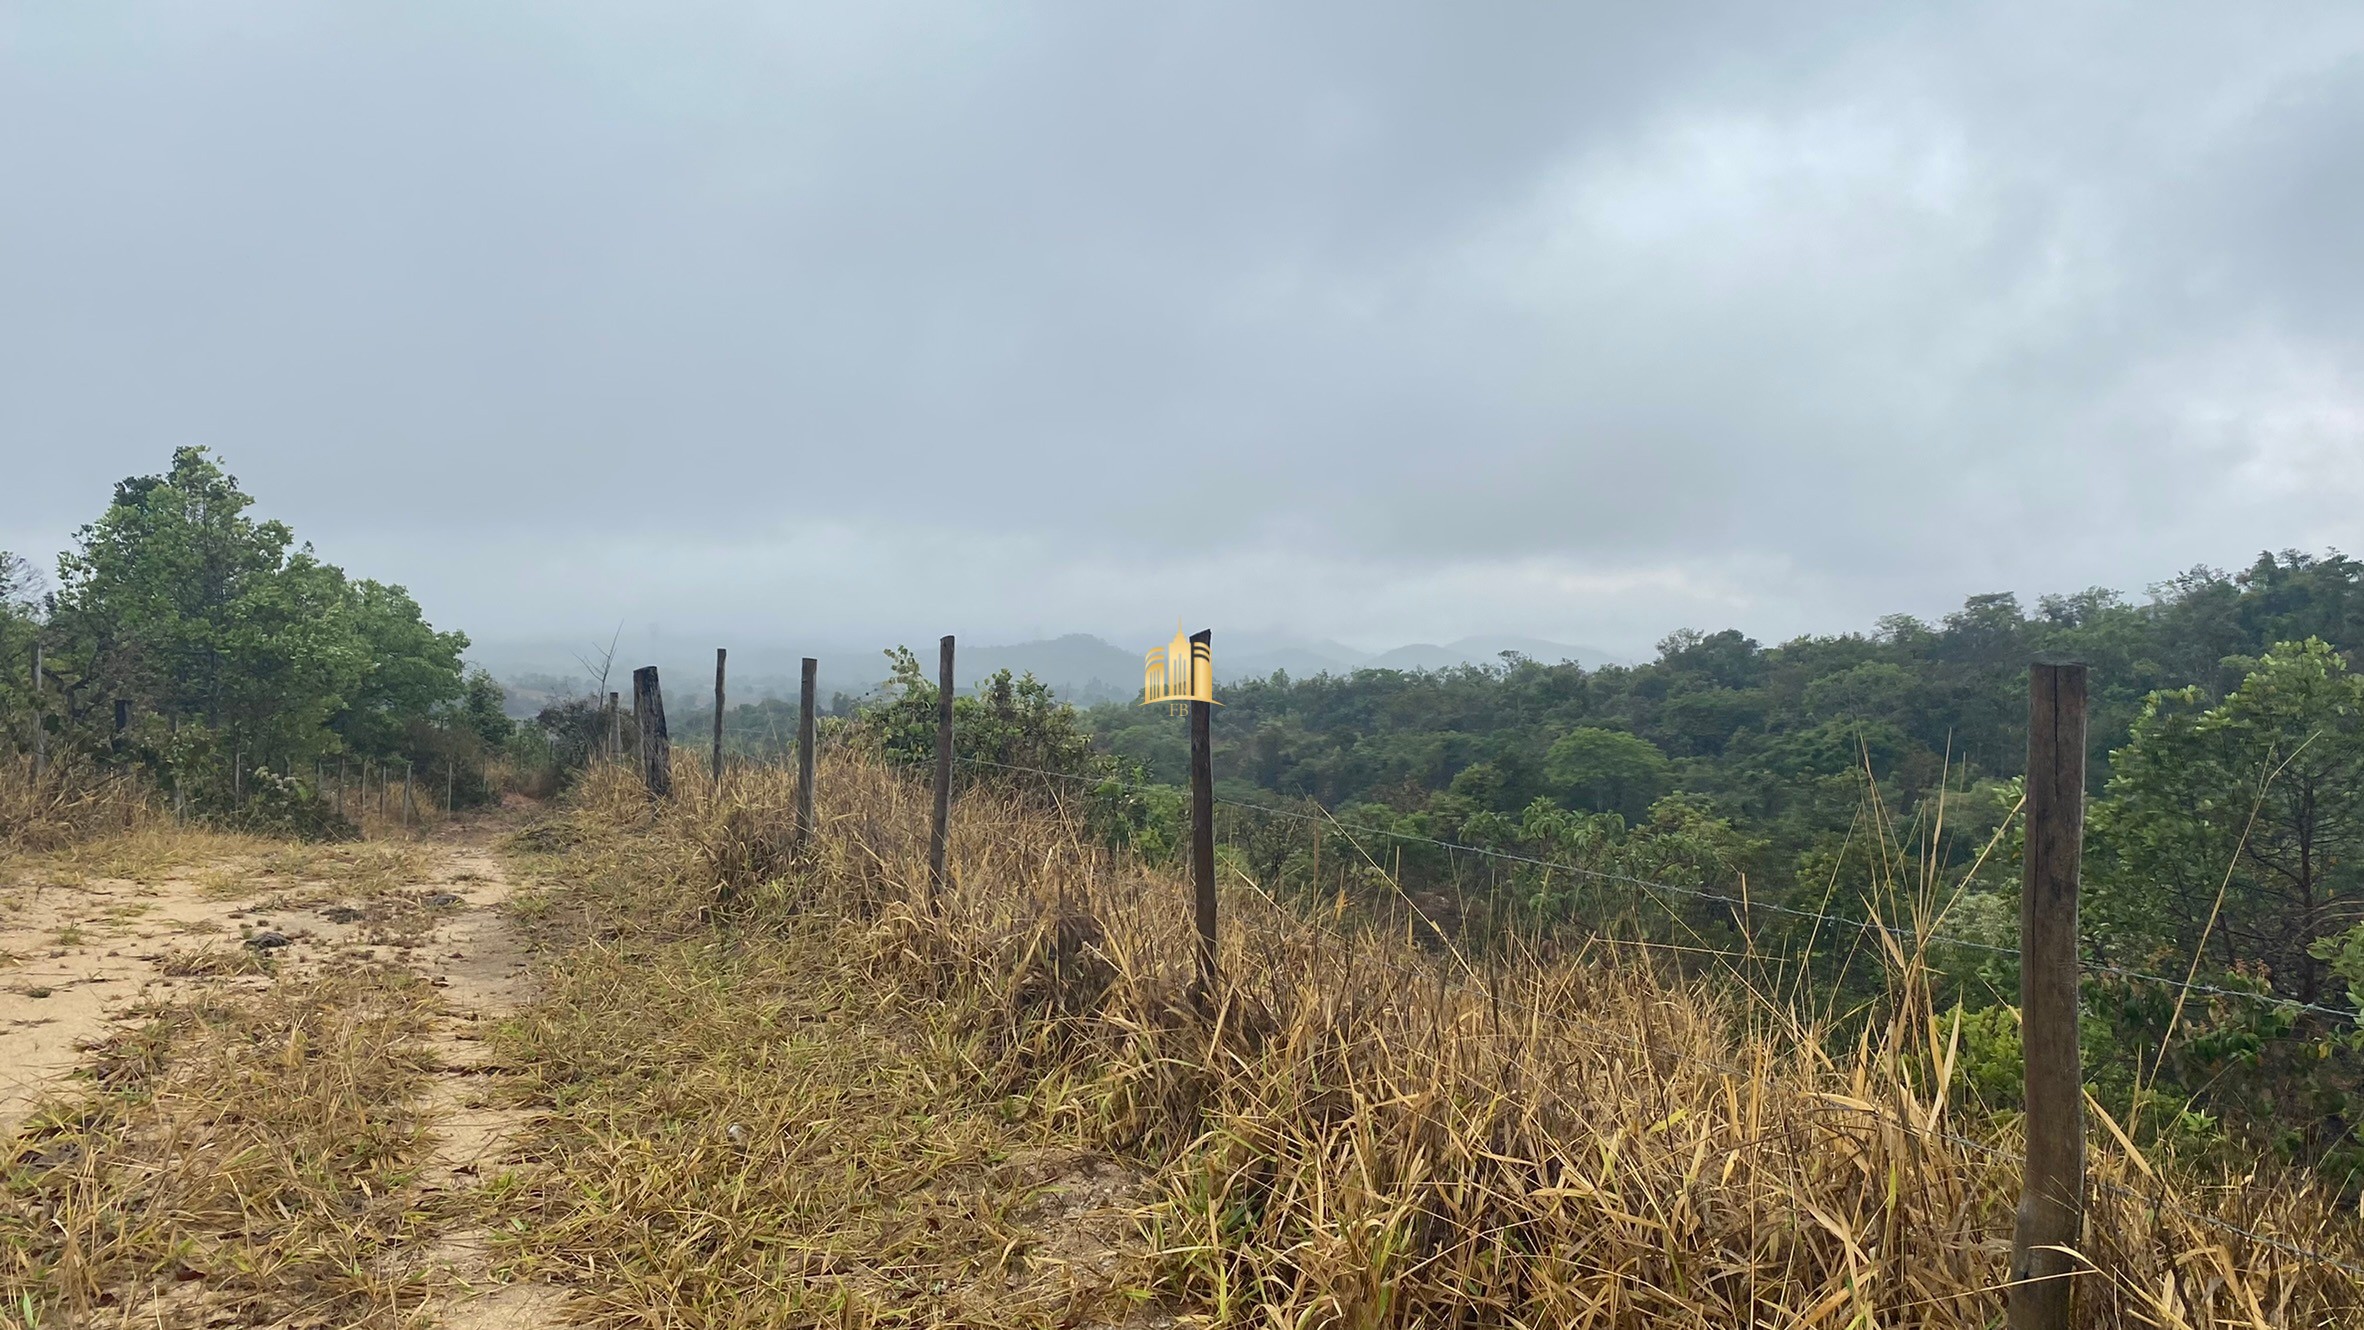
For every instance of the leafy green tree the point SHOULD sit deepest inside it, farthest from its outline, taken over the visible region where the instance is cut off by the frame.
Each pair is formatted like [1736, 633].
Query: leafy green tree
[1012, 733]
[2260, 796]
[176, 599]
[410, 669]
[1607, 771]
[483, 709]
[18, 623]
[237, 642]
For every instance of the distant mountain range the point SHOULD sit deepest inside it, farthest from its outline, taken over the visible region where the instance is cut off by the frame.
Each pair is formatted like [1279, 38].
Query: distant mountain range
[1079, 667]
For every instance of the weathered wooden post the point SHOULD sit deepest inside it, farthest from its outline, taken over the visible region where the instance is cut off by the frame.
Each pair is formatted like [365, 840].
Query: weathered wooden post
[341, 762]
[406, 804]
[1202, 808]
[805, 703]
[719, 655]
[2052, 1198]
[40, 735]
[451, 783]
[615, 727]
[122, 738]
[939, 833]
[656, 748]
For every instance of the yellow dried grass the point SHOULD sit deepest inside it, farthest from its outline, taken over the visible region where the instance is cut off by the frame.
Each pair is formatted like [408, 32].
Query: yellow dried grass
[1362, 1132]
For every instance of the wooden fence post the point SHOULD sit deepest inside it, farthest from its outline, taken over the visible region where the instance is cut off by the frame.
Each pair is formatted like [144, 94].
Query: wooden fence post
[2052, 1199]
[939, 834]
[40, 735]
[451, 781]
[122, 738]
[615, 727]
[341, 763]
[656, 749]
[719, 655]
[806, 700]
[1202, 817]
[406, 805]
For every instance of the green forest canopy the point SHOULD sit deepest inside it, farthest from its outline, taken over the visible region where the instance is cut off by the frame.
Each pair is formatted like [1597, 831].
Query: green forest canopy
[1822, 776]
[229, 641]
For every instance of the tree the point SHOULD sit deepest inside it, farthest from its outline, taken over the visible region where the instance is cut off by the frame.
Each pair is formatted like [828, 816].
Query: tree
[1012, 722]
[1607, 771]
[411, 669]
[2261, 796]
[177, 600]
[238, 640]
[18, 623]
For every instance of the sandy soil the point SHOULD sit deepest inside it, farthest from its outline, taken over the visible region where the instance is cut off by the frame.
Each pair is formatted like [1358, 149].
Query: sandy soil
[481, 965]
[80, 960]
[90, 952]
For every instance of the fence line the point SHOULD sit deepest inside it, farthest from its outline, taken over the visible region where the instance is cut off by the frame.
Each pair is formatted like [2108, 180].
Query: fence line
[1743, 904]
[1615, 1038]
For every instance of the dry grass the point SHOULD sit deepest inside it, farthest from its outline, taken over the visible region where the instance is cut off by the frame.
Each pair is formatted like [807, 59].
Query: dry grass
[742, 1128]
[72, 801]
[1357, 1132]
[212, 962]
[240, 1159]
[148, 854]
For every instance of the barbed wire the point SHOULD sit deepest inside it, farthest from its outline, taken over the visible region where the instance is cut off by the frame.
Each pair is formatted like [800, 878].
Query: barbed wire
[1744, 904]
[2002, 1154]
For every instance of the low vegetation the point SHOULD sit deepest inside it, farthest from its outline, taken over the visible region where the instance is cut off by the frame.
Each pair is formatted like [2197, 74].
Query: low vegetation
[1356, 1130]
[236, 1158]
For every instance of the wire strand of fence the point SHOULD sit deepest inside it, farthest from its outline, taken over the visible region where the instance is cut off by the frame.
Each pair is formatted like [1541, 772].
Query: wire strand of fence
[1743, 904]
[2282, 1245]
[2003, 1154]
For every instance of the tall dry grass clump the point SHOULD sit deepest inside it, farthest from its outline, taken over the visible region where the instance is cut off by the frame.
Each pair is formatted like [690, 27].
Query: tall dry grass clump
[73, 800]
[1360, 1131]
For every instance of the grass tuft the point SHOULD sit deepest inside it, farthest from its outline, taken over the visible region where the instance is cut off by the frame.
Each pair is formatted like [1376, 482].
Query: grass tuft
[1357, 1131]
[240, 1159]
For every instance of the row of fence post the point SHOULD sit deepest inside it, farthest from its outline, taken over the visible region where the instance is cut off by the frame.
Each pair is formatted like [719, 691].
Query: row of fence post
[410, 802]
[648, 707]
[409, 806]
[655, 750]
[2050, 1217]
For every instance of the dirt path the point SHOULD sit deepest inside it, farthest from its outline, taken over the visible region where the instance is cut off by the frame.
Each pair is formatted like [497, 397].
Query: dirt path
[481, 965]
[91, 949]
[86, 952]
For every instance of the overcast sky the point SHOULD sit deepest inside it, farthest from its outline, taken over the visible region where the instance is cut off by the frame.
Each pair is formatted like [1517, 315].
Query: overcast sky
[1368, 321]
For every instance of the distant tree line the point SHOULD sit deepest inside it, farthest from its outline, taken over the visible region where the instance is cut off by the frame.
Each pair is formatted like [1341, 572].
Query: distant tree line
[225, 644]
[1871, 777]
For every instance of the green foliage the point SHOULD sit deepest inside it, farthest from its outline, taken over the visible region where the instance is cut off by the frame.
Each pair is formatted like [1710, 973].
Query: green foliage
[2344, 953]
[413, 671]
[276, 804]
[19, 620]
[1607, 771]
[2259, 798]
[233, 645]
[1989, 1061]
[1012, 732]
[1873, 775]
[480, 710]
[1016, 722]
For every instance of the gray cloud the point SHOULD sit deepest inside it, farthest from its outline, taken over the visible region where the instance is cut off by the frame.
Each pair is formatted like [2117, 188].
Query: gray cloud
[1426, 321]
